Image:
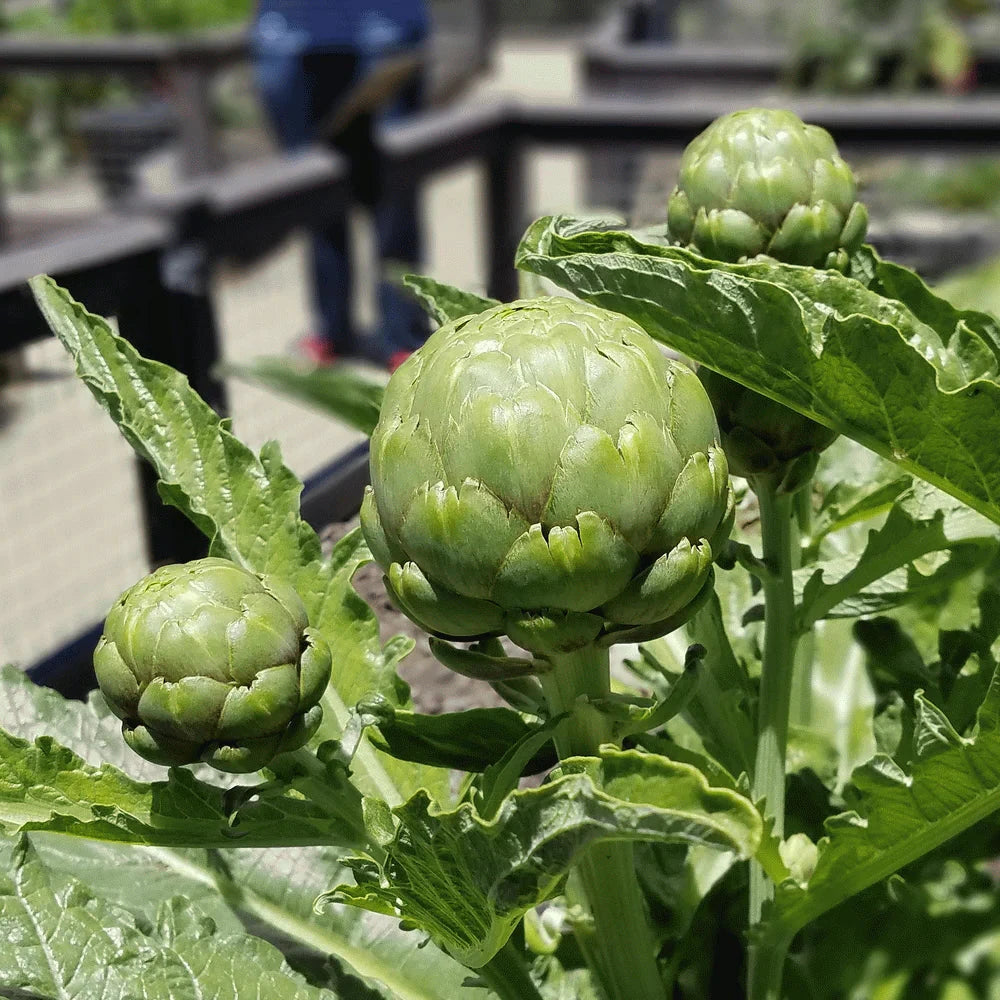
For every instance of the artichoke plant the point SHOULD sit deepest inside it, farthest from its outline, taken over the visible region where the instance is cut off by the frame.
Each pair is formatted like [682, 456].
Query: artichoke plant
[542, 470]
[207, 661]
[761, 181]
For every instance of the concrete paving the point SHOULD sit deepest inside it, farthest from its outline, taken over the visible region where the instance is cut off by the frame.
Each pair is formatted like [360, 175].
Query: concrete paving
[70, 535]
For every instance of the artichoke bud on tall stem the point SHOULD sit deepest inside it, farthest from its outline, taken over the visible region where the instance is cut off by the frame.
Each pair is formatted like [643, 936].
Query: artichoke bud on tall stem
[542, 471]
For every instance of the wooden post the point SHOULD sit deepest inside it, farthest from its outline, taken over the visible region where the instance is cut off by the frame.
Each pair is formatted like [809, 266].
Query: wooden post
[190, 84]
[505, 216]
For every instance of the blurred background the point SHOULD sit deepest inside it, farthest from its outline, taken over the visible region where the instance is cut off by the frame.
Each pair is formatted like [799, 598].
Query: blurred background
[140, 167]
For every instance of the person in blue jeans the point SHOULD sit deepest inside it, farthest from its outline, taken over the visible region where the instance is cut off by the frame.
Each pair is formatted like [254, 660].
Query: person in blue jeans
[308, 54]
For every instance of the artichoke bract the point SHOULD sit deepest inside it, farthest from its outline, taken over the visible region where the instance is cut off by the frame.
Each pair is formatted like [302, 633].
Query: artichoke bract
[761, 181]
[762, 437]
[542, 470]
[207, 661]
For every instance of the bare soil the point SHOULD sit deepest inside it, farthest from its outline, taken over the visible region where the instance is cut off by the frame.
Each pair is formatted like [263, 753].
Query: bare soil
[435, 688]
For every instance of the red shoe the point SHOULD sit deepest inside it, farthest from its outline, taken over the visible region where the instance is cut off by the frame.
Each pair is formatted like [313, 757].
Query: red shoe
[396, 359]
[317, 350]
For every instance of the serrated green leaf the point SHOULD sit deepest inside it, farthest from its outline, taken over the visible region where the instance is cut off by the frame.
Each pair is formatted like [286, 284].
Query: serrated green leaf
[62, 942]
[472, 740]
[249, 507]
[899, 817]
[45, 786]
[890, 365]
[87, 728]
[339, 391]
[273, 892]
[467, 881]
[846, 504]
[445, 302]
[880, 575]
[281, 888]
[138, 879]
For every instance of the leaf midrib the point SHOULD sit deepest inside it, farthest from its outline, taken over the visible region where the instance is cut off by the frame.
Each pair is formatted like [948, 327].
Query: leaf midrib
[888, 861]
[321, 939]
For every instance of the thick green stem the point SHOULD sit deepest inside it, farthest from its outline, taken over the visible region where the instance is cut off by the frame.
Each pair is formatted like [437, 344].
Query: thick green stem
[767, 966]
[615, 938]
[801, 709]
[507, 975]
[777, 670]
[779, 553]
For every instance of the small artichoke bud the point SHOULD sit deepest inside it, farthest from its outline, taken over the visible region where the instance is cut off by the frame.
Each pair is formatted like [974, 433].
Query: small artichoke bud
[207, 661]
[761, 182]
[762, 437]
[544, 471]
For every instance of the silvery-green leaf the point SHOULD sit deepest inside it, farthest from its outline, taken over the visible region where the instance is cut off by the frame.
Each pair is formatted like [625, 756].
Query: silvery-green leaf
[61, 941]
[892, 565]
[883, 361]
[899, 817]
[339, 391]
[445, 302]
[467, 881]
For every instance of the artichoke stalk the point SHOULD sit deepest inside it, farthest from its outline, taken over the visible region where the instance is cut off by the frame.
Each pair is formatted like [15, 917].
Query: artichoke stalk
[543, 471]
[207, 661]
[761, 183]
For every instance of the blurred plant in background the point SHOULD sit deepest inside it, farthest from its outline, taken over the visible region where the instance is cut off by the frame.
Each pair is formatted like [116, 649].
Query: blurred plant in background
[115, 16]
[37, 130]
[853, 45]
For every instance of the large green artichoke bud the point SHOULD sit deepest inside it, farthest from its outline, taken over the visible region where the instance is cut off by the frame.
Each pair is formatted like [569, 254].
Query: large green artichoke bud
[542, 470]
[206, 661]
[761, 181]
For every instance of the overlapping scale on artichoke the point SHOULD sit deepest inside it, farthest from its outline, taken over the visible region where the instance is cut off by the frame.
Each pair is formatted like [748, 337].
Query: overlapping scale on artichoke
[542, 470]
[761, 181]
[207, 661]
[762, 437]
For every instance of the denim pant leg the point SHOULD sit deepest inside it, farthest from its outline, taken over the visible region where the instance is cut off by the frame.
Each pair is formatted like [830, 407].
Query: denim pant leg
[285, 91]
[403, 323]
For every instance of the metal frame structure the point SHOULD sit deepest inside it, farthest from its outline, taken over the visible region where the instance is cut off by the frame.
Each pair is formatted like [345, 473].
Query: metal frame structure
[150, 267]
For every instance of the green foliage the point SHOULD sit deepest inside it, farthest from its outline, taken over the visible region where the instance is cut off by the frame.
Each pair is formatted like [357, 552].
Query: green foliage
[445, 303]
[60, 940]
[345, 394]
[827, 705]
[853, 46]
[874, 355]
[105, 17]
[467, 881]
